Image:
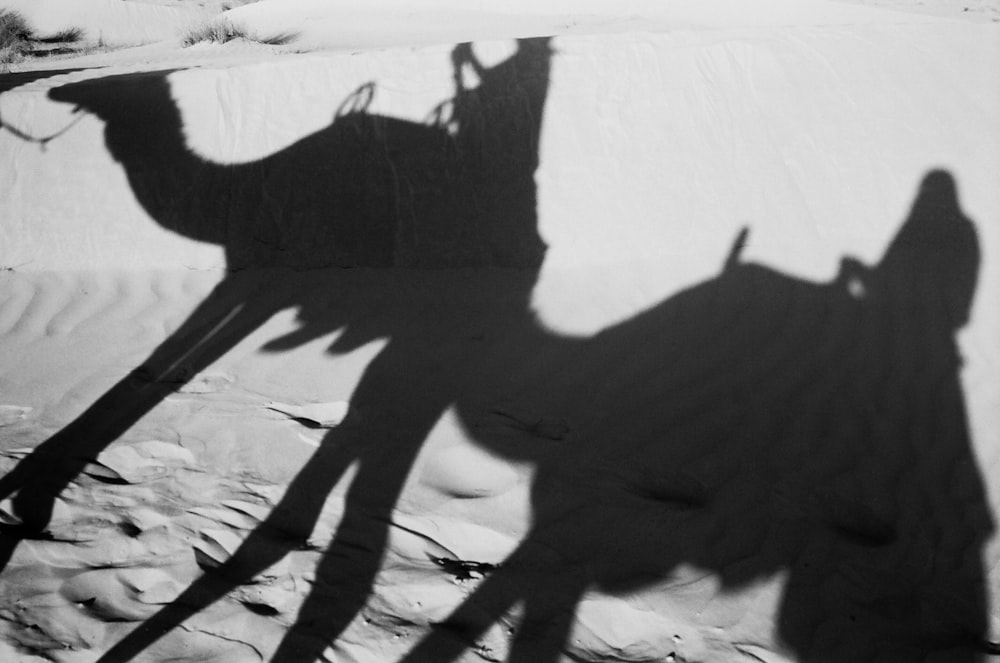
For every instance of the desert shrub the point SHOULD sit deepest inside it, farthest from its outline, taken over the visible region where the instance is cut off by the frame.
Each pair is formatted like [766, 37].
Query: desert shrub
[18, 40]
[66, 36]
[15, 36]
[221, 30]
[13, 28]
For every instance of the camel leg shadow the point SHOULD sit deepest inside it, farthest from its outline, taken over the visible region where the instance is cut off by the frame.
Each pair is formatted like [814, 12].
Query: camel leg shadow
[222, 320]
[538, 632]
[353, 559]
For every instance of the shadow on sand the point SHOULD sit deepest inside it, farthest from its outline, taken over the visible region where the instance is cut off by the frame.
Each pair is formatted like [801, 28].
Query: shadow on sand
[752, 425]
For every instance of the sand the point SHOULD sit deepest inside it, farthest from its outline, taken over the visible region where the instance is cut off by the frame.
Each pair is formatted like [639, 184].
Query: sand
[670, 338]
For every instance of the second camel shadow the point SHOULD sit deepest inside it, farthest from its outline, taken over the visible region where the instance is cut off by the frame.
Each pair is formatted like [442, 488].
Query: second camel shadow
[751, 428]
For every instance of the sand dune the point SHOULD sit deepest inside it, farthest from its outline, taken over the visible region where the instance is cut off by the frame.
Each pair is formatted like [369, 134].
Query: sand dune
[671, 337]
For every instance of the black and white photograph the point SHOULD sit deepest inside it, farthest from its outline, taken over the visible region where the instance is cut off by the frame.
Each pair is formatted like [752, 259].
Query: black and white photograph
[481, 331]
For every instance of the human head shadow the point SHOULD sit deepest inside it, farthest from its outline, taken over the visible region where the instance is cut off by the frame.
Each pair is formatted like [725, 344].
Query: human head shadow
[758, 426]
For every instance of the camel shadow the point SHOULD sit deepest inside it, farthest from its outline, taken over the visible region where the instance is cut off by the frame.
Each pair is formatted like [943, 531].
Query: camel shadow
[756, 426]
[369, 192]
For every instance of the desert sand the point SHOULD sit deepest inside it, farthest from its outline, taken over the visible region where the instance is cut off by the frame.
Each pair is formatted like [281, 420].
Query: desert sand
[525, 332]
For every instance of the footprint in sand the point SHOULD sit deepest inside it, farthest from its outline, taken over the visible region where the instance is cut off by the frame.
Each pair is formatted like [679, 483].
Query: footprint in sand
[11, 414]
[208, 383]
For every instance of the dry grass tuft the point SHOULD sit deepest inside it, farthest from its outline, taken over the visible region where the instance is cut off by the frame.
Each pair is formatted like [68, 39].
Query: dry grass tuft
[217, 30]
[15, 37]
[67, 36]
[221, 30]
[18, 40]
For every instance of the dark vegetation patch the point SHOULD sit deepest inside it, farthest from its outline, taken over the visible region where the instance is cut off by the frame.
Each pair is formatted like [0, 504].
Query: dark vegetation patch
[18, 40]
[221, 31]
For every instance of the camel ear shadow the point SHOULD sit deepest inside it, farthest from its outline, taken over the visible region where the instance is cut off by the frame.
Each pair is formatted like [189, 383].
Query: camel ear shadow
[736, 250]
